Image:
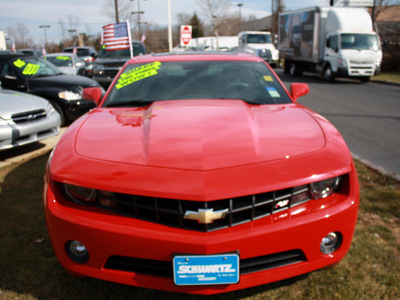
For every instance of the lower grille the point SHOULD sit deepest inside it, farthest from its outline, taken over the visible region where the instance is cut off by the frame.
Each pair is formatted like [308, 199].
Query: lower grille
[165, 269]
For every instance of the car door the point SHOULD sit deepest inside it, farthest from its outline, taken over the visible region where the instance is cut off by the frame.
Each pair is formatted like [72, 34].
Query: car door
[332, 51]
[10, 79]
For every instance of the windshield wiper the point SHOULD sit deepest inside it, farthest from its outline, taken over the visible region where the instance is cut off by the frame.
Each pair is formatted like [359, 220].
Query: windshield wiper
[132, 103]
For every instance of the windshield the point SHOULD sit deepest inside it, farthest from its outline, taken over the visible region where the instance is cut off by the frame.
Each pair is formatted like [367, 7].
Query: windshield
[138, 49]
[60, 61]
[79, 51]
[258, 38]
[359, 41]
[141, 84]
[34, 67]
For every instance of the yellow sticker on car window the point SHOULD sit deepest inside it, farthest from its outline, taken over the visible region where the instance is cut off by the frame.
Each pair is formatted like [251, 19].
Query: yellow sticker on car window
[30, 69]
[137, 74]
[268, 78]
[63, 58]
[19, 63]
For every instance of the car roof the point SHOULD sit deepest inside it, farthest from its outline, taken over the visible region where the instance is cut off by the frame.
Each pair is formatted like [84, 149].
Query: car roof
[7, 56]
[195, 56]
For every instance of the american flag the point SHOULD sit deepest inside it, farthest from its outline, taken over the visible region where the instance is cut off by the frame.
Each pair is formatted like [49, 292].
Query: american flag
[115, 36]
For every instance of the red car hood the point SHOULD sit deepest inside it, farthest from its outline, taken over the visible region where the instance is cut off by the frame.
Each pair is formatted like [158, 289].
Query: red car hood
[199, 134]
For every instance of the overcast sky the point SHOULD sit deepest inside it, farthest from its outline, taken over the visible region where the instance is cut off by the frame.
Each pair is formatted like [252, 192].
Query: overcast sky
[33, 13]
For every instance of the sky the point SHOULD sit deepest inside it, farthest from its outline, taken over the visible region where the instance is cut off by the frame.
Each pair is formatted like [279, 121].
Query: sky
[90, 15]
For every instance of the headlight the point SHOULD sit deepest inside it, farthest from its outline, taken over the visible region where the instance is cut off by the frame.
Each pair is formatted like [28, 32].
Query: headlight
[68, 95]
[79, 194]
[3, 122]
[98, 69]
[342, 63]
[49, 108]
[325, 188]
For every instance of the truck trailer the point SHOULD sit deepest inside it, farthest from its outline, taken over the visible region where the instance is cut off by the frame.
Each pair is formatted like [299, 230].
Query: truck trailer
[334, 41]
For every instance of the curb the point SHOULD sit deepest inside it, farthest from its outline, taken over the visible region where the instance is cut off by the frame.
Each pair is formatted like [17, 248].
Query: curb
[376, 168]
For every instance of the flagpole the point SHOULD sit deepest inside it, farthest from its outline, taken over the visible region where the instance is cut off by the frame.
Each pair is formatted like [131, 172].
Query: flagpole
[130, 38]
[169, 26]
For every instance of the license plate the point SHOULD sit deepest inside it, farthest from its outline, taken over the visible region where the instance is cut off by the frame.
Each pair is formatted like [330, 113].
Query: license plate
[206, 269]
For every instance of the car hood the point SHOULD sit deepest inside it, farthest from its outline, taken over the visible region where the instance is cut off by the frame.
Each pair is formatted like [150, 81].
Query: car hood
[198, 134]
[111, 61]
[62, 81]
[12, 102]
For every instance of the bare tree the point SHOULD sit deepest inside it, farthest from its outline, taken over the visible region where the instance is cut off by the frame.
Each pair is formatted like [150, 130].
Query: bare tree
[19, 35]
[117, 10]
[214, 11]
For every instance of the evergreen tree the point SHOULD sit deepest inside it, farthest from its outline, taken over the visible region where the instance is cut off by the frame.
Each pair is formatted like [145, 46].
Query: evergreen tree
[197, 27]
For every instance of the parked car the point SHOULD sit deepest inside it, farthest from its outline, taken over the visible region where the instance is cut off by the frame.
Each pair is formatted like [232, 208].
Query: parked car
[199, 173]
[37, 76]
[32, 52]
[87, 54]
[25, 119]
[108, 63]
[67, 62]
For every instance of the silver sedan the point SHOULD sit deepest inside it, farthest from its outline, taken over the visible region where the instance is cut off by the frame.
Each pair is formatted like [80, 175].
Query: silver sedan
[25, 119]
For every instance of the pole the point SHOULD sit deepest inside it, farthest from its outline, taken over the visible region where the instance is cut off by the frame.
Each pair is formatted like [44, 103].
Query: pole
[116, 11]
[240, 15]
[169, 27]
[45, 33]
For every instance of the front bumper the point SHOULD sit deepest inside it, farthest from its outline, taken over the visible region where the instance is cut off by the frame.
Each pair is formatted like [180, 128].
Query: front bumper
[117, 244]
[18, 134]
[73, 109]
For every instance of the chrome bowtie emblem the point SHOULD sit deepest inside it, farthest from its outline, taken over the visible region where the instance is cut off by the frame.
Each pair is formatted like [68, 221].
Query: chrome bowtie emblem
[205, 216]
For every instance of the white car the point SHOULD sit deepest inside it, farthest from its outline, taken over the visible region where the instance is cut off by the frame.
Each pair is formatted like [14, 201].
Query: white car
[25, 119]
[67, 63]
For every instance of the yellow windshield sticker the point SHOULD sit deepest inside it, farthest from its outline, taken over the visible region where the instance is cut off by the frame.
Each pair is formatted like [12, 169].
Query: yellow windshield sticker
[268, 78]
[31, 69]
[19, 63]
[63, 58]
[137, 74]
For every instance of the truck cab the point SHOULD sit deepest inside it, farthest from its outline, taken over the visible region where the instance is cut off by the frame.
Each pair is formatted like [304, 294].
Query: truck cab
[259, 43]
[352, 49]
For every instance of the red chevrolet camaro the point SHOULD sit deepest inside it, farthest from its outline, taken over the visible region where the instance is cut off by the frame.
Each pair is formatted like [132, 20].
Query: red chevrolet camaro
[199, 173]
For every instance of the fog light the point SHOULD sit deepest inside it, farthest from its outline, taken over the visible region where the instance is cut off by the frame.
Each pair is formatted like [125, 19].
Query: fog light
[77, 251]
[331, 242]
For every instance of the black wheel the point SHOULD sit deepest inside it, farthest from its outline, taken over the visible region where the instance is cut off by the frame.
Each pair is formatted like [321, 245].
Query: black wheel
[328, 74]
[295, 69]
[286, 69]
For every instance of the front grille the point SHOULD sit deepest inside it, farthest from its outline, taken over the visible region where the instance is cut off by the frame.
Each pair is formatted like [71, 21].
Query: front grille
[111, 72]
[171, 212]
[29, 116]
[165, 269]
[266, 54]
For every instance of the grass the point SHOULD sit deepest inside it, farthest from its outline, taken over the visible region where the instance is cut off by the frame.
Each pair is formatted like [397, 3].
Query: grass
[29, 269]
[388, 76]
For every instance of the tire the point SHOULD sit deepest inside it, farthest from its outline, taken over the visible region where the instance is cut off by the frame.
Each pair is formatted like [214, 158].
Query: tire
[286, 69]
[328, 74]
[295, 69]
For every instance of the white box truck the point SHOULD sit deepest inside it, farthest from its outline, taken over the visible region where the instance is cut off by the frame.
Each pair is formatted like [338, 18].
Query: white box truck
[259, 43]
[335, 41]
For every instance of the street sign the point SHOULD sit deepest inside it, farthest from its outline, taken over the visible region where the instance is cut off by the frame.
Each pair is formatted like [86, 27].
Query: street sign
[186, 35]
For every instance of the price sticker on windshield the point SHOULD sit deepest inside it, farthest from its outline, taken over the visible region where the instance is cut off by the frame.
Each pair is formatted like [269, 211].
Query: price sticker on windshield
[137, 74]
[30, 69]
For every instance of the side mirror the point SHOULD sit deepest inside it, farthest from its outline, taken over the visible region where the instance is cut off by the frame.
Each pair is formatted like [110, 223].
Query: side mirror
[298, 89]
[92, 94]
